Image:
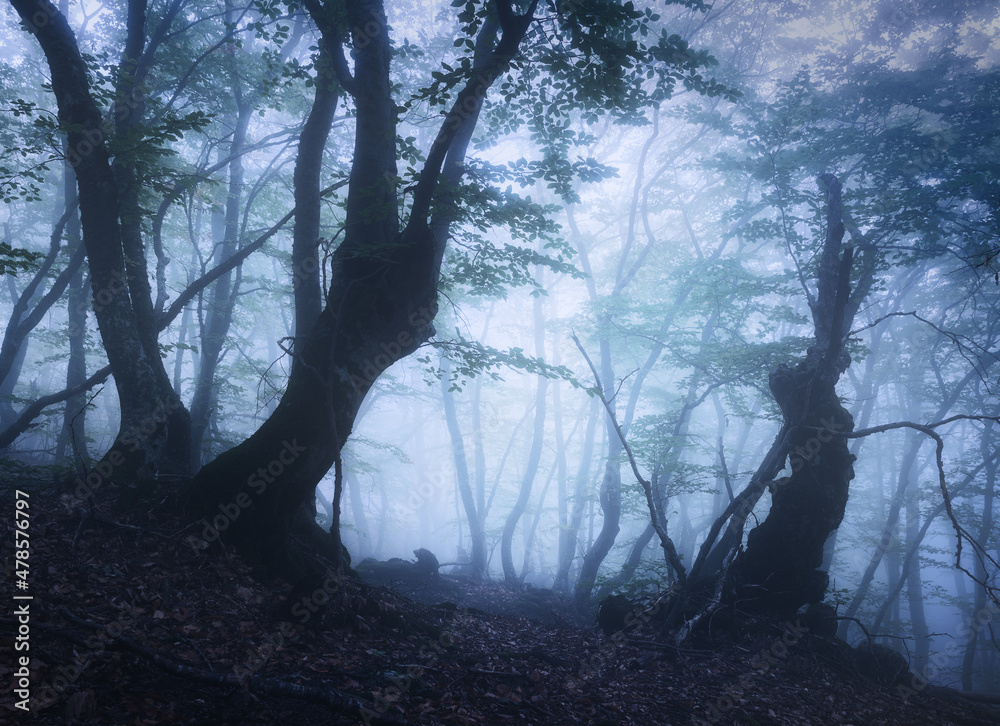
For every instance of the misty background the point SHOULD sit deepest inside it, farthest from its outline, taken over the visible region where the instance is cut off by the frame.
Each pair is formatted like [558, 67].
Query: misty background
[678, 245]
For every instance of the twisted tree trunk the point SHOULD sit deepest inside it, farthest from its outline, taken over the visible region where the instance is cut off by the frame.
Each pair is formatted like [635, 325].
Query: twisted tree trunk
[781, 568]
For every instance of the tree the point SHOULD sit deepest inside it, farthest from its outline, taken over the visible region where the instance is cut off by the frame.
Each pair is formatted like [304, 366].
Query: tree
[884, 208]
[381, 297]
[473, 503]
[154, 424]
[534, 455]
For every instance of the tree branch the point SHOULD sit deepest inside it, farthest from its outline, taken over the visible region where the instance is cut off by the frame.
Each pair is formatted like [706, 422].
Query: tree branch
[237, 259]
[331, 31]
[955, 338]
[960, 531]
[23, 422]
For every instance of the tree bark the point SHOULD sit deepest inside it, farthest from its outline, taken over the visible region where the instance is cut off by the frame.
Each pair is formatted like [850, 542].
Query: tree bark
[610, 499]
[631, 562]
[985, 528]
[915, 587]
[8, 416]
[129, 109]
[308, 168]
[532, 530]
[360, 519]
[862, 415]
[569, 533]
[222, 295]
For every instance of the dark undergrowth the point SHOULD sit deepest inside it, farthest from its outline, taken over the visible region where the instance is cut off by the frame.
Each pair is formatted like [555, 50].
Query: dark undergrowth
[131, 622]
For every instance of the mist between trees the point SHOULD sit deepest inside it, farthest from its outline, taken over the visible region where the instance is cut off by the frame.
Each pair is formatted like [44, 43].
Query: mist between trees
[334, 261]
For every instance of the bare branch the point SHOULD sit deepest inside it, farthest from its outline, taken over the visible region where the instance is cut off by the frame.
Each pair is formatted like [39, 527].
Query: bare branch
[960, 531]
[237, 259]
[955, 338]
[23, 422]
[656, 517]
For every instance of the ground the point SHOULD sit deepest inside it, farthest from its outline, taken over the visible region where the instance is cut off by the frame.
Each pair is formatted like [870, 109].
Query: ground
[132, 622]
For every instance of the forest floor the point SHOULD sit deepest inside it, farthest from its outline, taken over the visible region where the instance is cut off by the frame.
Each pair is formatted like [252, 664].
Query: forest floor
[130, 624]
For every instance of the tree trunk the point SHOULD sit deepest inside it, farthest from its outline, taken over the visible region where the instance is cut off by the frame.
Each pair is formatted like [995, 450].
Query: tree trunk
[308, 167]
[182, 335]
[534, 455]
[473, 513]
[360, 520]
[562, 495]
[985, 528]
[479, 452]
[381, 299]
[306, 288]
[893, 570]
[149, 420]
[610, 499]
[252, 491]
[631, 562]
[780, 569]
[74, 413]
[569, 532]
[222, 295]
[129, 110]
[862, 416]
[9, 381]
[531, 531]
[915, 586]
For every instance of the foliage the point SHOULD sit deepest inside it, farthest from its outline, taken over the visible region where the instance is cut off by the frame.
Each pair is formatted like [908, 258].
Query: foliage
[470, 358]
[14, 259]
